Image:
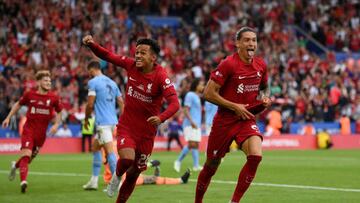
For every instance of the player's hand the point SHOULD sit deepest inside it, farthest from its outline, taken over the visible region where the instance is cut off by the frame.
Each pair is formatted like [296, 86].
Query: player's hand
[5, 123]
[242, 112]
[53, 129]
[266, 102]
[86, 124]
[87, 40]
[154, 120]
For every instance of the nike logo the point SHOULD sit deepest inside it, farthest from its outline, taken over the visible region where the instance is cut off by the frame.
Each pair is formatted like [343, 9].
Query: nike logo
[132, 78]
[32, 101]
[242, 77]
[258, 73]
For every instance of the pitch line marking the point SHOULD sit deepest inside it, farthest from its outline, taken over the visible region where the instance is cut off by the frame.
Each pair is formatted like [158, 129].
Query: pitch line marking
[288, 186]
[214, 181]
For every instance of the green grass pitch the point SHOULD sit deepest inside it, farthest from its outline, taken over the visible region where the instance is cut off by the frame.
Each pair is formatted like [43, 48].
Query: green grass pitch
[331, 176]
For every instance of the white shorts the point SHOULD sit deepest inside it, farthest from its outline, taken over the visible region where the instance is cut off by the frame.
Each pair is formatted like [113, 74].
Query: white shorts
[192, 134]
[104, 133]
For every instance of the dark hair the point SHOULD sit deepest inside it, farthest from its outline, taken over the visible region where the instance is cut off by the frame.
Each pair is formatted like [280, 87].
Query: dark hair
[41, 74]
[242, 30]
[93, 64]
[194, 84]
[152, 43]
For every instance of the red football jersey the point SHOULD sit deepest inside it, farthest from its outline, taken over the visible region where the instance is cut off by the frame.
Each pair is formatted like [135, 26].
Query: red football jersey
[41, 107]
[144, 94]
[240, 82]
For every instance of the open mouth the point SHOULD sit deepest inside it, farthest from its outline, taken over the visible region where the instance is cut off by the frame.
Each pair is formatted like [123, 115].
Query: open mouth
[251, 52]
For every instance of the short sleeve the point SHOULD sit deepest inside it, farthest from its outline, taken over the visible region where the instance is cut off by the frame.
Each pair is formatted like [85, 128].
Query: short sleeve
[117, 91]
[221, 73]
[92, 88]
[188, 100]
[24, 99]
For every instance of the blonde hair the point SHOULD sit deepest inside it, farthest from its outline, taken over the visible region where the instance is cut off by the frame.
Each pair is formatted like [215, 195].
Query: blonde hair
[41, 74]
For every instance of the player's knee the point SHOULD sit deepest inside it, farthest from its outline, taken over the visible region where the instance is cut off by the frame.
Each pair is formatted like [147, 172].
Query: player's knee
[126, 163]
[213, 163]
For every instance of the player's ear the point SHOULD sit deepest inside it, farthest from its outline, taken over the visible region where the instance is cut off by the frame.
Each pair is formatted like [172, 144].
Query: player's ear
[237, 43]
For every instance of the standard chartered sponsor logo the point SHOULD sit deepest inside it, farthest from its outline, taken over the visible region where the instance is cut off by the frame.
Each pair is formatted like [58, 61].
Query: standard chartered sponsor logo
[39, 111]
[240, 88]
[138, 95]
[247, 88]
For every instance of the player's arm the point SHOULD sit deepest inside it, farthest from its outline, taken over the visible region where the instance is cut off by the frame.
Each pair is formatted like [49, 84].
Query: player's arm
[211, 94]
[14, 109]
[57, 123]
[173, 107]
[120, 102]
[264, 95]
[89, 109]
[105, 54]
[188, 116]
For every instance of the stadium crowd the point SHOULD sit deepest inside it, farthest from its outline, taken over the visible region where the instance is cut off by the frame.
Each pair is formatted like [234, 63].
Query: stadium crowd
[47, 35]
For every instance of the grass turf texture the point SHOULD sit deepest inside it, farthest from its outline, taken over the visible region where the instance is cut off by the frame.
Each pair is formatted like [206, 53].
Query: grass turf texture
[59, 179]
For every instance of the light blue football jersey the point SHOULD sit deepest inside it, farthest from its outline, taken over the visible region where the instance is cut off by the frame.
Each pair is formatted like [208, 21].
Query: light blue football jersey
[106, 92]
[192, 100]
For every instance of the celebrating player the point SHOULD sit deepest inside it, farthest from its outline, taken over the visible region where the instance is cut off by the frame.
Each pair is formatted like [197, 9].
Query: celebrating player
[102, 97]
[41, 104]
[235, 86]
[147, 85]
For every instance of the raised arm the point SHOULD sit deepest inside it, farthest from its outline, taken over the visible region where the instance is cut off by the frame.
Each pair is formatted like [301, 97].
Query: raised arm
[211, 94]
[104, 54]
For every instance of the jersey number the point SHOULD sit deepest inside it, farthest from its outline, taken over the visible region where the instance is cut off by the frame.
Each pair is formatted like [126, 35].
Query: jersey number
[110, 97]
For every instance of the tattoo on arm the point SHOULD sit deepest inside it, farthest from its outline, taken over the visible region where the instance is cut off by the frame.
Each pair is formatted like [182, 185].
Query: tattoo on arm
[264, 92]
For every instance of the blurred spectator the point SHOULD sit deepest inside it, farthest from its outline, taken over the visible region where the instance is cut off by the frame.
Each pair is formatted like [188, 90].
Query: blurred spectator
[63, 131]
[274, 125]
[345, 128]
[87, 134]
[324, 140]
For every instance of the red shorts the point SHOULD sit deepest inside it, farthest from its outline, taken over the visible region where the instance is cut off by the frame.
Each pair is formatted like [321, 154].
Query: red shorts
[222, 135]
[33, 136]
[143, 147]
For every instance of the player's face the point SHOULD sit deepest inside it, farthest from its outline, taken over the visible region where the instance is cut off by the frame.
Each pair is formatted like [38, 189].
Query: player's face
[45, 83]
[247, 45]
[144, 57]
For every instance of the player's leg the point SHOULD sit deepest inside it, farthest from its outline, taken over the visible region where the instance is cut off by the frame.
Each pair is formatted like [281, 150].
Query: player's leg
[184, 151]
[194, 146]
[128, 185]
[252, 148]
[27, 144]
[125, 161]
[194, 142]
[177, 138]
[107, 141]
[208, 171]
[92, 184]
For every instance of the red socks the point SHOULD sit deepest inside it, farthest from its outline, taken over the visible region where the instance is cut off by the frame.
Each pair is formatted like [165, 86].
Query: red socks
[246, 176]
[123, 165]
[203, 182]
[23, 165]
[127, 187]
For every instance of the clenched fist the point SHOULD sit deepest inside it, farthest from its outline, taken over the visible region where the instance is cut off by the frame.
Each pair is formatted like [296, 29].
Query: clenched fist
[87, 40]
